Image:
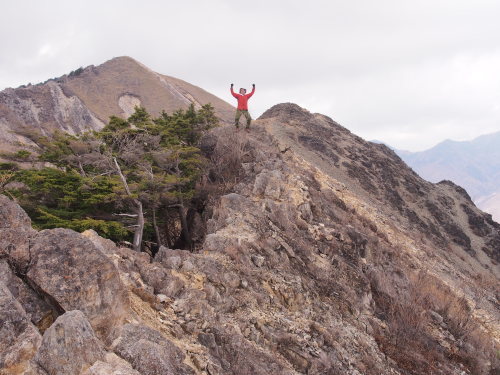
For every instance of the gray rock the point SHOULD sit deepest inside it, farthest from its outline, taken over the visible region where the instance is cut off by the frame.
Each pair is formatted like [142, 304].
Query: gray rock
[15, 233]
[162, 254]
[76, 275]
[436, 317]
[161, 279]
[258, 260]
[149, 352]
[188, 266]
[69, 346]
[19, 339]
[268, 184]
[36, 308]
[173, 262]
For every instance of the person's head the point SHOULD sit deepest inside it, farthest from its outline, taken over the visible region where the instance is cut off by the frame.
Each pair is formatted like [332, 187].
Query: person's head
[243, 91]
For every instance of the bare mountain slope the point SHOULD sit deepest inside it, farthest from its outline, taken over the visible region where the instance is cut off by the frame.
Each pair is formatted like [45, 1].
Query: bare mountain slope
[324, 254]
[474, 165]
[85, 99]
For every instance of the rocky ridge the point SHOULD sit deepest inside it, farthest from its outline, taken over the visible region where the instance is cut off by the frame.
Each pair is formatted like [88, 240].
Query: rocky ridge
[325, 255]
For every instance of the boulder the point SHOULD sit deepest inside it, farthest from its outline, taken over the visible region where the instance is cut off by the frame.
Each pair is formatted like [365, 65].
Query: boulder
[19, 339]
[76, 275]
[15, 233]
[69, 346]
[149, 352]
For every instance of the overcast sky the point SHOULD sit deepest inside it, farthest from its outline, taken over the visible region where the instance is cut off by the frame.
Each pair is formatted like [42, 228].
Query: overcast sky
[410, 73]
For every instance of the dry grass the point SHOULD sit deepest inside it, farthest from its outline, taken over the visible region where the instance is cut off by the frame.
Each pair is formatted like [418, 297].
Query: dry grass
[227, 157]
[410, 339]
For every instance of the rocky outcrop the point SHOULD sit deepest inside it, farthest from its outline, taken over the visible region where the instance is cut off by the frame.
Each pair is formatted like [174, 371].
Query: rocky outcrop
[76, 275]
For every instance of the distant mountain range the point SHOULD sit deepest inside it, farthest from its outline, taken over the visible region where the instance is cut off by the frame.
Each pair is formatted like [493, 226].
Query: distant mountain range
[474, 165]
[85, 99]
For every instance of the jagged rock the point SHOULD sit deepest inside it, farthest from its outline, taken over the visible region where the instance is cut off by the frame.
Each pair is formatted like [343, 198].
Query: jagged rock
[149, 352]
[39, 312]
[69, 346]
[19, 339]
[15, 233]
[76, 275]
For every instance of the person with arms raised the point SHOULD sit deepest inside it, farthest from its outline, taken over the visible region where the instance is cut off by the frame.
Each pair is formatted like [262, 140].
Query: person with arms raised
[242, 108]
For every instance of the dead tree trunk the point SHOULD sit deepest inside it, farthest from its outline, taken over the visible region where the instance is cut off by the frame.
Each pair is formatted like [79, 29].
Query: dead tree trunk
[184, 225]
[139, 230]
[157, 230]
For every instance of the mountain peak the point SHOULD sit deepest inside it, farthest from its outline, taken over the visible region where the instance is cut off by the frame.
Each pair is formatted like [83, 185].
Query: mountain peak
[287, 111]
[86, 98]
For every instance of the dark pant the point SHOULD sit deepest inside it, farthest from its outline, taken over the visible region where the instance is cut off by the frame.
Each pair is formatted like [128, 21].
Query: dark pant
[245, 113]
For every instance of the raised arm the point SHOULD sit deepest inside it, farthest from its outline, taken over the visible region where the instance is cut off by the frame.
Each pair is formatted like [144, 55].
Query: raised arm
[253, 90]
[232, 91]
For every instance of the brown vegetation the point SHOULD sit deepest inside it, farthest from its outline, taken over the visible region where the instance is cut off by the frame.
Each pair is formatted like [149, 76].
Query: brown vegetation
[428, 324]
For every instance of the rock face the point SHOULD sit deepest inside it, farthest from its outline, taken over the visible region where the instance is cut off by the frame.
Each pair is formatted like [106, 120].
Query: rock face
[19, 339]
[15, 233]
[76, 275]
[326, 255]
[69, 346]
[39, 312]
[86, 98]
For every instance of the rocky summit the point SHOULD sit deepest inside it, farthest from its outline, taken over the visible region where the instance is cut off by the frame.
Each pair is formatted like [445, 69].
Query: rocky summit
[321, 254]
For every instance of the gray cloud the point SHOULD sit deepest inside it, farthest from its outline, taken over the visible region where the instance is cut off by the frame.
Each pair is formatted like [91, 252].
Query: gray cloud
[409, 73]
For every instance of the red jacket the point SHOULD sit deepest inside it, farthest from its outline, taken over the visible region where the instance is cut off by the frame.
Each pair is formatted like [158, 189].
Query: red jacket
[242, 99]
